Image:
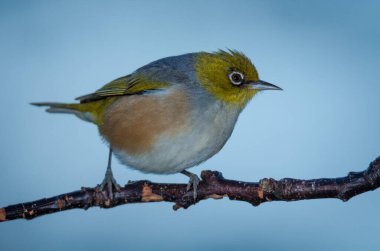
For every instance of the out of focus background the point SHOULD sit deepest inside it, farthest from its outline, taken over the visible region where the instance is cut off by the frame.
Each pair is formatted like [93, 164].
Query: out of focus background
[324, 54]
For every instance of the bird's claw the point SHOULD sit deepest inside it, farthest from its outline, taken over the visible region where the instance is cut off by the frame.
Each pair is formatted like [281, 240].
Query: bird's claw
[194, 182]
[109, 182]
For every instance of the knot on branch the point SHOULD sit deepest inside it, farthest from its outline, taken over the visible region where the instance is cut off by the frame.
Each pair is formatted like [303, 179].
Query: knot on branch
[282, 189]
[211, 177]
[373, 173]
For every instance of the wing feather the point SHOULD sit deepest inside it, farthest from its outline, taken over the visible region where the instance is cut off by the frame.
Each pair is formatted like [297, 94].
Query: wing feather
[127, 85]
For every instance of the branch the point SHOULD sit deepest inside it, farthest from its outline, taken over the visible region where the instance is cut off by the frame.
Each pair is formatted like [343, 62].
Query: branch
[213, 185]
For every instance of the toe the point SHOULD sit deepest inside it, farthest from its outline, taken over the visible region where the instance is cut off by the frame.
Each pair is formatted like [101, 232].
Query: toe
[195, 190]
[194, 180]
[188, 186]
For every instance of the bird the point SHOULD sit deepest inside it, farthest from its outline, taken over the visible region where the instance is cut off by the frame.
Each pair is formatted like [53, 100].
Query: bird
[171, 114]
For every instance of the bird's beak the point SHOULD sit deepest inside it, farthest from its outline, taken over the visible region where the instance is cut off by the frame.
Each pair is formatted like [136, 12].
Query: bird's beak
[262, 85]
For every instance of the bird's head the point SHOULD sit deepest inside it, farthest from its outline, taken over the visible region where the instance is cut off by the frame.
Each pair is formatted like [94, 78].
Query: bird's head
[230, 77]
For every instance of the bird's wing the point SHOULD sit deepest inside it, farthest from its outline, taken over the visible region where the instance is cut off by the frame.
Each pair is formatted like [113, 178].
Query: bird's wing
[127, 85]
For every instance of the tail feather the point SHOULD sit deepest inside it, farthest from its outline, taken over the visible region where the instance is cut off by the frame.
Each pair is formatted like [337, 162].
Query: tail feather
[53, 107]
[57, 107]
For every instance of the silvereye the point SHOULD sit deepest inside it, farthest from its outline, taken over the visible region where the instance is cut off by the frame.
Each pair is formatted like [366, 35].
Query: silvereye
[171, 114]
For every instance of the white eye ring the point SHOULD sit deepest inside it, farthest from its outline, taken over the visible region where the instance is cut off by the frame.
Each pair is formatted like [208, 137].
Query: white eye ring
[236, 77]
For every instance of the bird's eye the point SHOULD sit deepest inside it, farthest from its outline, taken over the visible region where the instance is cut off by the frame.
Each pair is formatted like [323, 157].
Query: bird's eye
[236, 78]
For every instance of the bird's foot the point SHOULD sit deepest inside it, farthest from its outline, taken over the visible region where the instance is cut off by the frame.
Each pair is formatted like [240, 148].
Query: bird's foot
[193, 182]
[109, 182]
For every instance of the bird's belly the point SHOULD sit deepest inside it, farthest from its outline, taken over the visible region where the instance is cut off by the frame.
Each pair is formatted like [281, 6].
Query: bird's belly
[173, 154]
[150, 135]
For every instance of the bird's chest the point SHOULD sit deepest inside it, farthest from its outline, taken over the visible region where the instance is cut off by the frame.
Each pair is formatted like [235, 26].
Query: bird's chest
[206, 132]
[150, 134]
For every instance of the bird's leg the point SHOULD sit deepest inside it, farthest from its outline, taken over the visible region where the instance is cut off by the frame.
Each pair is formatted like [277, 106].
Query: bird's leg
[194, 181]
[109, 180]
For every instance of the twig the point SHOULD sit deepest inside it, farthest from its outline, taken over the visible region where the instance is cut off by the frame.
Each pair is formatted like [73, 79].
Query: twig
[213, 185]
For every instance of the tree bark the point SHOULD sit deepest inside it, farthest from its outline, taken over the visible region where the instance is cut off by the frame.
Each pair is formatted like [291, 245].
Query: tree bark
[213, 185]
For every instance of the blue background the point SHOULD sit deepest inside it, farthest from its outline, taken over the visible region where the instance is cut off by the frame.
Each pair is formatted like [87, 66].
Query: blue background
[325, 54]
